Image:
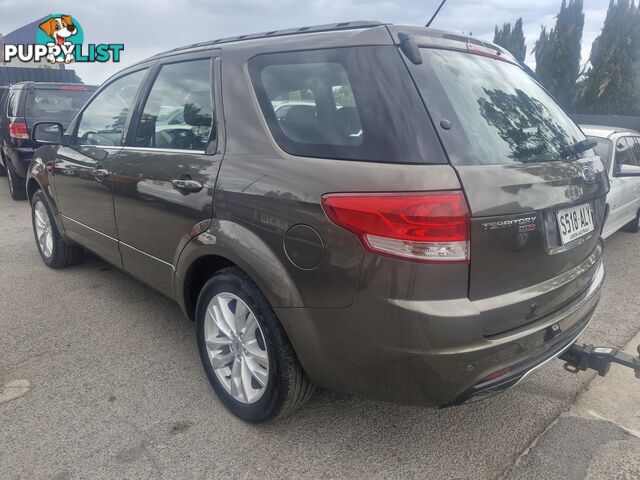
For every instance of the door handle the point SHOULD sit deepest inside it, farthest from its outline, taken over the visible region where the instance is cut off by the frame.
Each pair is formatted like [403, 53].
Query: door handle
[187, 185]
[100, 174]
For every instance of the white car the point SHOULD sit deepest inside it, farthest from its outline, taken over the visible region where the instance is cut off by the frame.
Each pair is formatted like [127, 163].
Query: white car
[619, 149]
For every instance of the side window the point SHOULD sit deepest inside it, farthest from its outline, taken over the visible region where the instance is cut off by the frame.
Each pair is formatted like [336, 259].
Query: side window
[627, 152]
[103, 121]
[313, 103]
[12, 103]
[355, 103]
[178, 113]
[636, 150]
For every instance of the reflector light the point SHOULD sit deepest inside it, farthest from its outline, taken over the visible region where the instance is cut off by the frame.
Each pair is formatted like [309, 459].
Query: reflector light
[429, 226]
[495, 375]
[19, 130]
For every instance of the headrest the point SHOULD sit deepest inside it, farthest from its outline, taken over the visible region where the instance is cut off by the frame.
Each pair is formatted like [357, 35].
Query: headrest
[301, 114]
[348, 120]
[197, 109]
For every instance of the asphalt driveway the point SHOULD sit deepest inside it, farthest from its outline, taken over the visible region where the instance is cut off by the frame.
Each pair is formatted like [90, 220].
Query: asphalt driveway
[111, 387]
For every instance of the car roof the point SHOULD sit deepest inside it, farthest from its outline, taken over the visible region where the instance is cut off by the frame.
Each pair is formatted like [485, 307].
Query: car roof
[51, 85]
[386, 33]
[604, 131]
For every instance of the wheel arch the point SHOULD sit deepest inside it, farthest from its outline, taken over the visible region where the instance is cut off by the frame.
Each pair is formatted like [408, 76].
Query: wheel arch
[228, 244]
[38, 179]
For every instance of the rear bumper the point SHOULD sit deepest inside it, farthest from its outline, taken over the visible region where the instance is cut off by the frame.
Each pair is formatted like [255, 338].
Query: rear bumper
[518, 372]
[20, 159]
[431, 353]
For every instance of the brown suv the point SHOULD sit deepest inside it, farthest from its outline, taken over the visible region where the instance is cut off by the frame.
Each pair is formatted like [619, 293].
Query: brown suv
[390, 211]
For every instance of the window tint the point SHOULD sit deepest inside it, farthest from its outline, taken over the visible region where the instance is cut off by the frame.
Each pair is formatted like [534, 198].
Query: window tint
[628, 152]
[498, 113]
[51, 103]
[103, 121]
[603, 149]
[344, 103]
[303, 97]
[178, 113]
[12, 103]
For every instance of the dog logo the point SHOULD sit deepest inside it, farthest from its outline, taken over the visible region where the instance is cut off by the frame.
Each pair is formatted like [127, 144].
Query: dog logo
[60, 39]
[60, 28]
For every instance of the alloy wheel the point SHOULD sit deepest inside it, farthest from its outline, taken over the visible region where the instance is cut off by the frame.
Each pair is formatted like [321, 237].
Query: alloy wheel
[43, 228]
[10, 179]
[236, 347]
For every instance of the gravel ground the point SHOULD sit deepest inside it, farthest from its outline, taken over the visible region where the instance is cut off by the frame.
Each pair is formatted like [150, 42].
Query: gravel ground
[108, 384]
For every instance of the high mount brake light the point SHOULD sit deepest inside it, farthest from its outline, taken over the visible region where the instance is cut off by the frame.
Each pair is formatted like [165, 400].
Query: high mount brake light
[19, 130]
[486, 52]
[420, 226]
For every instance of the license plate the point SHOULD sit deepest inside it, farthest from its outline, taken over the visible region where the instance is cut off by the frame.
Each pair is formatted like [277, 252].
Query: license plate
[574, 222]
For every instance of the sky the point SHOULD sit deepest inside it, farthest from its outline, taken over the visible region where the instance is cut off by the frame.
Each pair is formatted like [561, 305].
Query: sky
[147, 27]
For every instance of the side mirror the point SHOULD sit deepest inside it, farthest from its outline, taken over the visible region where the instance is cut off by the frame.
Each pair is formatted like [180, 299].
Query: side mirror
[47, 133]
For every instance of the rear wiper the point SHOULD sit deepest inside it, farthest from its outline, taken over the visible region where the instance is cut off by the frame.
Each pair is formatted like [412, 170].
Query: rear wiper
[578, 148]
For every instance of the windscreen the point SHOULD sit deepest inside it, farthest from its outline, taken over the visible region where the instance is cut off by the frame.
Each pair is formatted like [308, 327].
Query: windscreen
[46, 103]
[492, 111]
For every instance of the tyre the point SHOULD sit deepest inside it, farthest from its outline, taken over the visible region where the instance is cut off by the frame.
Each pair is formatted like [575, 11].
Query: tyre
[245, 352]
[55, 252]
[634, 225]
[17, 186]
[3, 170]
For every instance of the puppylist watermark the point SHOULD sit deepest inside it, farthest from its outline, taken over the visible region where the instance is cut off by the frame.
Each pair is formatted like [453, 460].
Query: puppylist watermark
[60, 39]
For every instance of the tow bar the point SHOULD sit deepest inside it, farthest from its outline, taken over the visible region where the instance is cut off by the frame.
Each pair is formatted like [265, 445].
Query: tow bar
[579, 358]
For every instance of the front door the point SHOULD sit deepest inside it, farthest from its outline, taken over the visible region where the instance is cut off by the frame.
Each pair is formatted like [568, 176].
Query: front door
[83, 171]
[167, 170]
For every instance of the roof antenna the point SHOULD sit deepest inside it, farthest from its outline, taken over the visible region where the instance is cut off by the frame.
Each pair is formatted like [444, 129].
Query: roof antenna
[435, 14]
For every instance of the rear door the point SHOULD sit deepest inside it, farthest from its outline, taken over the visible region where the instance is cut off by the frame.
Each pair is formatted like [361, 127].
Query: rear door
[536, 200]
[84, 167]
[167, 171]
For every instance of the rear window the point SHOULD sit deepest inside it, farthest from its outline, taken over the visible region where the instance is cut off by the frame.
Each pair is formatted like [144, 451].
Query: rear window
[603, 149]
[48, 103]
[347, 103]
[498, 113]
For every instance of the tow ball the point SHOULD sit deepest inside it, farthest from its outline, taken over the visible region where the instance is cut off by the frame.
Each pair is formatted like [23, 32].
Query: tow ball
[579, 358]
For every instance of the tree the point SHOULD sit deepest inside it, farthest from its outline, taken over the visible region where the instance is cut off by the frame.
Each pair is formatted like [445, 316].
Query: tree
[558, 53]
[612, 83]
[512, 40]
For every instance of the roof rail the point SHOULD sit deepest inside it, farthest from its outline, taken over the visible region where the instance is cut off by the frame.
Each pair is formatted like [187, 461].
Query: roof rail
[280, 33]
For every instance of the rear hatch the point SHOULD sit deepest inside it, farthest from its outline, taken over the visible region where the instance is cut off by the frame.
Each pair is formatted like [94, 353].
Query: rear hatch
[535, 193]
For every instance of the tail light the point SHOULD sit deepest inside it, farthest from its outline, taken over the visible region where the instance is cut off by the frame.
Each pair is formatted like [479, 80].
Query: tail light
[19, 130]
[429, 226]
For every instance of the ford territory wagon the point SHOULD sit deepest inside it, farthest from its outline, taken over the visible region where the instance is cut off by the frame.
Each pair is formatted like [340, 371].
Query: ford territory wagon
[389, 211]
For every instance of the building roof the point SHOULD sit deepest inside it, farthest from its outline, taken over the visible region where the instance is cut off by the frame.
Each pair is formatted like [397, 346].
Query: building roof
[11, 75]
[25, 35]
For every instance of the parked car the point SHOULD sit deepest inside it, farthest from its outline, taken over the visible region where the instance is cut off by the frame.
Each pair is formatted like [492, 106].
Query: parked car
[619, 149]
[3, 92]
[23, 105]
[432, 241]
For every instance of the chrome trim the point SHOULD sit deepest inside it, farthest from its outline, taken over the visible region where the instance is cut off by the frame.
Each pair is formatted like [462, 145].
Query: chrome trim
[103, 147]
[87, 227]
[166, 150]
[147, 255]
[118, 241]
[553, 357]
